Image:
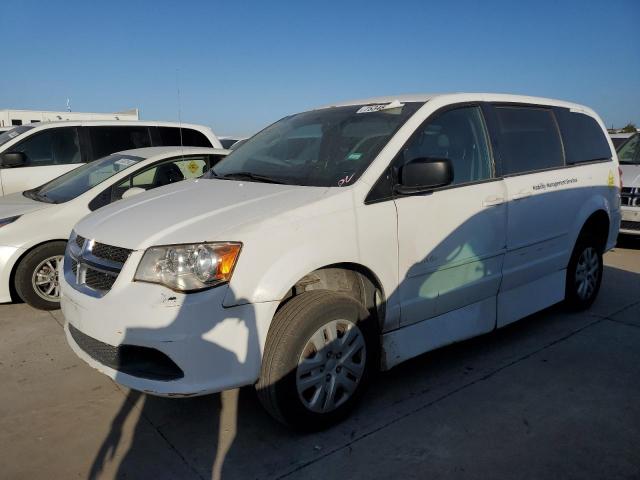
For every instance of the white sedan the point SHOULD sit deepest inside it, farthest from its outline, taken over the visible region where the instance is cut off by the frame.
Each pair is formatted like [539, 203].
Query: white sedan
[35, 224]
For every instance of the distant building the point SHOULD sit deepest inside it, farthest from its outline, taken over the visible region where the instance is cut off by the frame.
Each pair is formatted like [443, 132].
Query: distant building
[10, 118]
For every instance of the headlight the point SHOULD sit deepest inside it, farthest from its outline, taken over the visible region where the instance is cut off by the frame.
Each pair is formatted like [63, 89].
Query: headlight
[189, 267]
[8, 220]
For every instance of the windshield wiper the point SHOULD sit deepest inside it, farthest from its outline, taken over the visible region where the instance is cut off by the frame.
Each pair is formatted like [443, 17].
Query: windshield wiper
[250, 176]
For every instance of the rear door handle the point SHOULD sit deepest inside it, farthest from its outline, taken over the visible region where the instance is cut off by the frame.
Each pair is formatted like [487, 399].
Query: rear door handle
[521, 194]
[492, 201]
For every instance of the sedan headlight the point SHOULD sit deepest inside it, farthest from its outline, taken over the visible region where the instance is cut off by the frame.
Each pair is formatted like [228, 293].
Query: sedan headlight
[7, 221]
[189, 267]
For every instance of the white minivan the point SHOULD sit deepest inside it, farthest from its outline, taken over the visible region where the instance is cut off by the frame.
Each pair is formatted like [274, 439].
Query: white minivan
[31, 155]
[343, 240]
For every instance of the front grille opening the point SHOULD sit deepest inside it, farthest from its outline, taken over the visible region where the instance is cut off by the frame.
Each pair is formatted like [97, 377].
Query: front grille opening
[142, 362]
[627, 225]
[109, 252]
[79, 241]
[98, 280]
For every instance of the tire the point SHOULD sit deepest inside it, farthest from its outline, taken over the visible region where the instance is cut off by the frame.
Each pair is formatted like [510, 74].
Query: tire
[42, 259]
[584, 274]
[281, 387]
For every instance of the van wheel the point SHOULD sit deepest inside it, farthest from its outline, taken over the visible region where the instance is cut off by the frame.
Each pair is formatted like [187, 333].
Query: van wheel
[584, 274]
[36, 278]
[321, 350]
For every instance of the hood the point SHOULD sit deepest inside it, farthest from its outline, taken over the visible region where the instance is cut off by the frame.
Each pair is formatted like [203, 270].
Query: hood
[17, 204]
[630, 175]
[196, 211]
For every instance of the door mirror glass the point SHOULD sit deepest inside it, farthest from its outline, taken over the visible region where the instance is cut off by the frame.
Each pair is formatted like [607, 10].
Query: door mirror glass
[132, 192]
[424, 174]
[14, 159]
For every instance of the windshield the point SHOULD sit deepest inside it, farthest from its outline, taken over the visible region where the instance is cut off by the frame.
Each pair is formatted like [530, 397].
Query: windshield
[629, 152]
[77, 181]
[13, 133]
[329, 147]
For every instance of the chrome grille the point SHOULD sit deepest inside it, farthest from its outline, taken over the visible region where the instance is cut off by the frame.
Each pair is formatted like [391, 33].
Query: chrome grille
[630, 197]
[92, 267]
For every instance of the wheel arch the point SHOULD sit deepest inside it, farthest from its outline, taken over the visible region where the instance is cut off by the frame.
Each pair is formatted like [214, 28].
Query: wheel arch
[12, 276]
[352, 279]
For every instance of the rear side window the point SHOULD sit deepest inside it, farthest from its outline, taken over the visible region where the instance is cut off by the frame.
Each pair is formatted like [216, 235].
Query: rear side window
[529, 139]
[108, 140]
[584, 140]
[170, 136]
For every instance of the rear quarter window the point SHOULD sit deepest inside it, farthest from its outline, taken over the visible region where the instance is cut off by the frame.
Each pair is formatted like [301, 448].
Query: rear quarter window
[170, 136]
[583, 138]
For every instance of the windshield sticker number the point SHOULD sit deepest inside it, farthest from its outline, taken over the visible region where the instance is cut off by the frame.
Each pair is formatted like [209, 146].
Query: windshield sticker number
[354, 156]
[125, 162]
[12, 134]
[345, 180]
[380, 107]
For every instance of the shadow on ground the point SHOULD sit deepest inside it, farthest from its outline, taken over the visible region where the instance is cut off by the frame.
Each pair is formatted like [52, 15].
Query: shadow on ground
[228, 435]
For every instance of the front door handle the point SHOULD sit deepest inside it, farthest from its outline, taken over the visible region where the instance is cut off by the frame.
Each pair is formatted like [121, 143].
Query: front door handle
[492, 201]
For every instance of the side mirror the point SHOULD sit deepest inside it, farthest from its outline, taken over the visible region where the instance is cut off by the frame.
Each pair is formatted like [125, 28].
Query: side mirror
[424, 174]
[13, 159]
[132, 192]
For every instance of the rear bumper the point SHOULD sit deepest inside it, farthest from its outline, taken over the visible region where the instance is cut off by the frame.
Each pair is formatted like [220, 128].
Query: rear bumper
[8, 258]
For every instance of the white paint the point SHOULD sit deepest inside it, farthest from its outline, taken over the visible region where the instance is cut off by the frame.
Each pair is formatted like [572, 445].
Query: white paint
[452, 264]
[42, 222]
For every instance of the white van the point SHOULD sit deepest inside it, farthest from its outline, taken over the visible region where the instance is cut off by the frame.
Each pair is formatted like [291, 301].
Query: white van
[31, 155]
[343, 240]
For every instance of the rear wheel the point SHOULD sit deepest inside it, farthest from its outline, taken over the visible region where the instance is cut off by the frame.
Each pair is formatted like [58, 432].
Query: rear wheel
[36, 278]
[584, 273]
[320, 353]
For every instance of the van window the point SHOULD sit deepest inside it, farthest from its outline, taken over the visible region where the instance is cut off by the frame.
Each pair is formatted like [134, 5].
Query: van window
[170, 136]
[529, 139]
[459, 135]
[108, 140]
[583, 139]
[54, 146]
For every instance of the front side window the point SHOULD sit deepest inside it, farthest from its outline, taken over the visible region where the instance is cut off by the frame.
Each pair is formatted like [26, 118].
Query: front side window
[629, 152]
[458, 135]
[330, 147]
[53, 146]
[82, 179]
[529, 139]
[108, 140]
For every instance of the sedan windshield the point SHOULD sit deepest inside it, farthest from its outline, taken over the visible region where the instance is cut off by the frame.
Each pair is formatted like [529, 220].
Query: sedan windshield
[13, 133]
[629, 152]
[330, 147]
[78, 181]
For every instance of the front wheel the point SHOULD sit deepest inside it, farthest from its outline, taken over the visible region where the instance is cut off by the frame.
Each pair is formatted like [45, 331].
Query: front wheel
[584, 274]
[321, 350]
[36, 278]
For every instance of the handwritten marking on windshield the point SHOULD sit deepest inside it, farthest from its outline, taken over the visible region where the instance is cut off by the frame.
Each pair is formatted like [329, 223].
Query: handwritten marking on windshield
[345, 180]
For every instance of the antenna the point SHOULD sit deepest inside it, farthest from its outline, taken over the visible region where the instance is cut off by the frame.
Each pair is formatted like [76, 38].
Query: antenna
[68, 104]
[179, 112]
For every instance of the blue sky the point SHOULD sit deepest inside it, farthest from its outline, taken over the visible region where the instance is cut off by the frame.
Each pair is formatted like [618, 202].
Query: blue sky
[241, 65]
